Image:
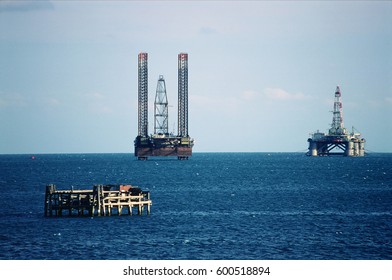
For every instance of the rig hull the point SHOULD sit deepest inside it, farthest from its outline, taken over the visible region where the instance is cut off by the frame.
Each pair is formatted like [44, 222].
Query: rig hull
[145, 152]
[331, 146]
[180, 147]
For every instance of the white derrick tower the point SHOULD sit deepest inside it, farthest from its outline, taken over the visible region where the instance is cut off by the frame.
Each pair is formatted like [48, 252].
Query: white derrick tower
[337, 127]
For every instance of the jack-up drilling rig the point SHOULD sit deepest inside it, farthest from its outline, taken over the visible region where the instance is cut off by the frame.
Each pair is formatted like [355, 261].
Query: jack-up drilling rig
[337, 141]
[162, 143]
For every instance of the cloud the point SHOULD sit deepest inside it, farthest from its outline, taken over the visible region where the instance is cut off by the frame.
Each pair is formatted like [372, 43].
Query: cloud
[272, 94]
[25, 6]
[250, 95]
[52, 102]
[12, 100]
[94, 96]
[214, 104]
[97, 102]
[208, 30]
[281, 94]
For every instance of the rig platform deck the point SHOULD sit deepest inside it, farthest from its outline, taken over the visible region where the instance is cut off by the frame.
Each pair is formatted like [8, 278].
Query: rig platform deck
[102, 200]
[336, 146]
[180, 147]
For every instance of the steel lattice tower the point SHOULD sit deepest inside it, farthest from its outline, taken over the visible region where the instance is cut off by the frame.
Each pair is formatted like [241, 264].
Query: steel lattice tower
[143, 95]
[337, 127]
[161, 113]
[183, 94]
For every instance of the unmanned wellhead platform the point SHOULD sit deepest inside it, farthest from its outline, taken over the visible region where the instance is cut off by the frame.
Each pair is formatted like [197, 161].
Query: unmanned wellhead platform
[337, 141]
[162, 143]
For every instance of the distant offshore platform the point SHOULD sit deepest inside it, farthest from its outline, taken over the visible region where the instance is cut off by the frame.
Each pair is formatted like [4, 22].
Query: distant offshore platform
[162, 143]
[338, 141]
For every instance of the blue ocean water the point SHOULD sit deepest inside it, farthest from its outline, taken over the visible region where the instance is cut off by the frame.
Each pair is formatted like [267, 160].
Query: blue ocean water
[213, 206]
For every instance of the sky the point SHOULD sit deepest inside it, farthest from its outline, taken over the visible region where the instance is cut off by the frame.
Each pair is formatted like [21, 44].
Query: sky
[262, 74]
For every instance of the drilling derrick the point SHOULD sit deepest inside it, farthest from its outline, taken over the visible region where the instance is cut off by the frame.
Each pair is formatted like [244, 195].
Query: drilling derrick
[337, 127]
[161, 113]
[162, 143]
[337, 141]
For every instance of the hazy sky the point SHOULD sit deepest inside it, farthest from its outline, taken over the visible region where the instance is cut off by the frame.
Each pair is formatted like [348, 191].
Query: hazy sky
[262, 74]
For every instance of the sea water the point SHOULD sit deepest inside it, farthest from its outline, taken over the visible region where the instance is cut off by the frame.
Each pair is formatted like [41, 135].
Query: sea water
[213, 206]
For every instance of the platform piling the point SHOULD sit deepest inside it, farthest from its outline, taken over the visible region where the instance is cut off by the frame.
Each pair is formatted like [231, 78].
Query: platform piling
[102, 200]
